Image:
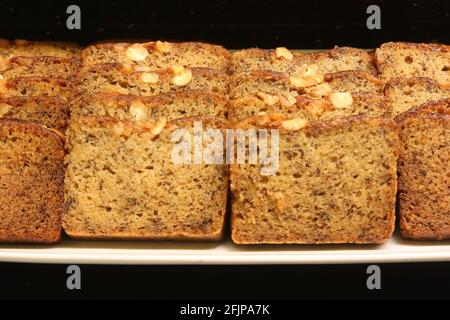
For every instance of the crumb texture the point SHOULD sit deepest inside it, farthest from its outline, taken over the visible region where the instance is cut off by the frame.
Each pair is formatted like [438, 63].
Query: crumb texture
[31, 183]
[121, 183]
[399, 59]
[407, 93]
[121, 79]
[159, 54]
[336, 184]
[424, 174]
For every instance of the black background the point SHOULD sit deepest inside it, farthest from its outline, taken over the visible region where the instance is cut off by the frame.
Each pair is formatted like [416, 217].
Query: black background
[234, 24]
[398, 281]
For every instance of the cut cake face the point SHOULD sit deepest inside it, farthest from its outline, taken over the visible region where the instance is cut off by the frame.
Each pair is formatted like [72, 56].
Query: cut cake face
[336, 183]
[31, 183]
[122, 181]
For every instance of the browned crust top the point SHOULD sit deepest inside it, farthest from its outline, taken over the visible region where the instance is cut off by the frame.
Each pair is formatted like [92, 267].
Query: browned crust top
[140, 126]
[33, 128]
[267, 53]
[42, 100]
[315, 127]
[58, 81]
[128, 69]
[419, 46]
[280, 76]
[353, 73]
[160, 99]
[303, 99]
[432, 109]
[262, 74]
[179, 46]
[339, 51]
[410, 81]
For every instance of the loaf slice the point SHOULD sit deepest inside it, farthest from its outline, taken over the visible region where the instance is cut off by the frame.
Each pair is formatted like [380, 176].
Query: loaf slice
[170, 106]
[123, 182]
[282, 60]
[403, 59]
[406, 93]
[159, 54]
[31, 183]
[424, 173]
[123, 79]
[333, 106]
[36, 86]
[336, 183]
[38, 48]
[42, 66]
[278, 60]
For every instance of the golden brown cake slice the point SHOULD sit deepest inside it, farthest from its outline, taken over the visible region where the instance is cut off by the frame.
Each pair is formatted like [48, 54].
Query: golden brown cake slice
[403, 59]
[51, 112]
[336, 183]
[283, 60]
[159, 54]
[36, 86]
[124, 79]
[333, 106]
[124, 181]
[424, 172]
[169, 105]
[31, 183]
[42, 66]
[407, 93]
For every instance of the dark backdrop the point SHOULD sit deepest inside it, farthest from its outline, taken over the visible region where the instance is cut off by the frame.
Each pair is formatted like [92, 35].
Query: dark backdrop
[234, 24]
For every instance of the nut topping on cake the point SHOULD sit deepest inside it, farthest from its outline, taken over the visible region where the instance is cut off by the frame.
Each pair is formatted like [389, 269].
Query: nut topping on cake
[136, 52]
[182, 76]
[283, 53]
[294, 124]
[341, 99]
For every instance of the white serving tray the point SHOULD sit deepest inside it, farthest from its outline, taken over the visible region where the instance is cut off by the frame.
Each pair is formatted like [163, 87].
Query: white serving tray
[179, 253]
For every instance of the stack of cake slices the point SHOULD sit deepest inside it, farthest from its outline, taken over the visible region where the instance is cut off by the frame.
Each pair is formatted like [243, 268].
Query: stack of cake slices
[418, 87]
[145, 140]
[36, 83]
[134, 100]
[338, 148]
